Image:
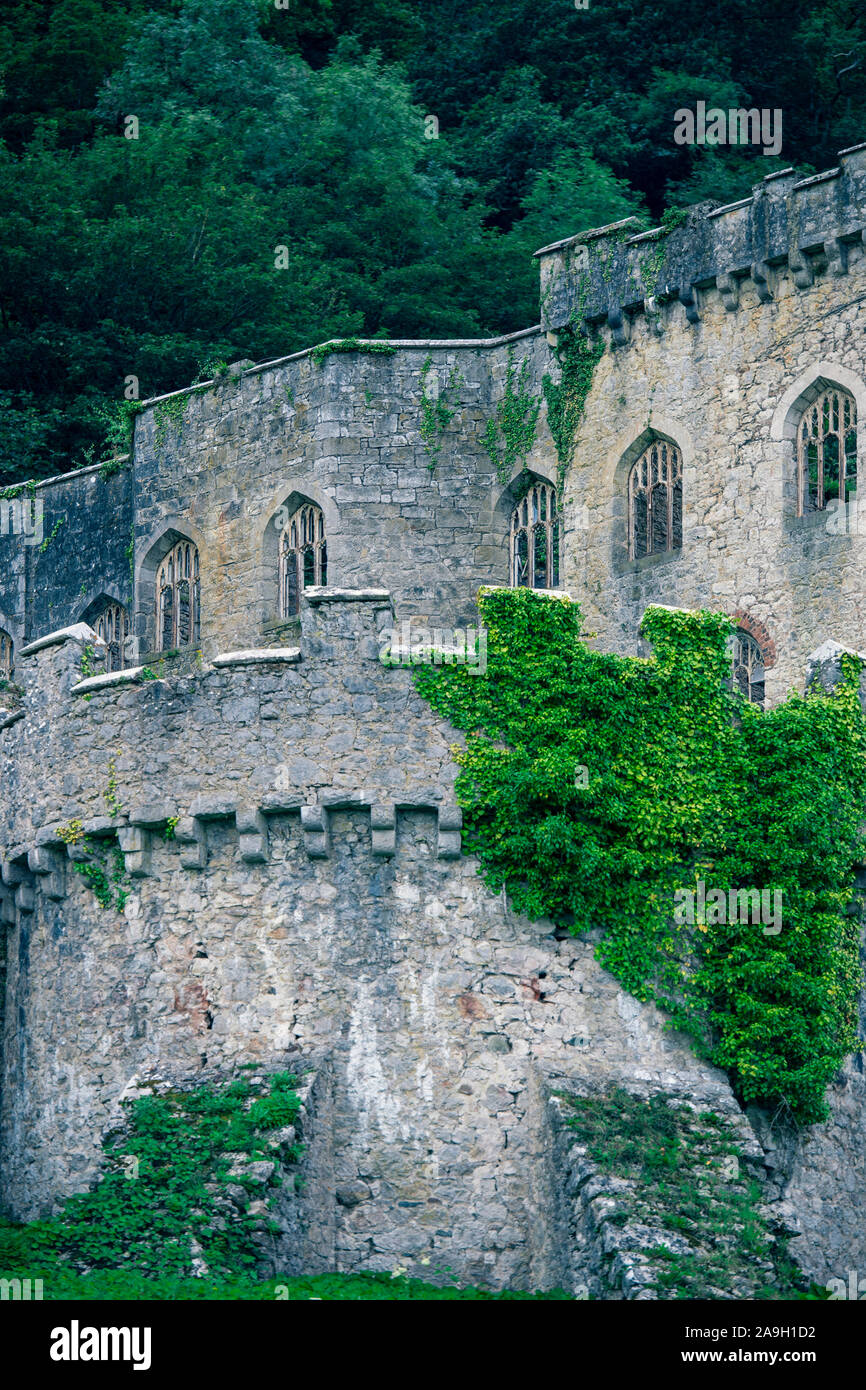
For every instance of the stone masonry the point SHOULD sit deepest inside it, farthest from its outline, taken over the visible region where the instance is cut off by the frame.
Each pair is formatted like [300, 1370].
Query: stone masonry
[312, 904]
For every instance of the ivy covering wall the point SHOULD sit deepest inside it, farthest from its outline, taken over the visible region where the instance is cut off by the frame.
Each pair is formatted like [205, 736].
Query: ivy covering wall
[596, 787]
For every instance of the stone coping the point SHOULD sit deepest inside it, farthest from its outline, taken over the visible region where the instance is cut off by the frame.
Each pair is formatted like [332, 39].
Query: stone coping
[562, 594]
[257, 656]
[110, 680]
[419, 344]
[79, 632]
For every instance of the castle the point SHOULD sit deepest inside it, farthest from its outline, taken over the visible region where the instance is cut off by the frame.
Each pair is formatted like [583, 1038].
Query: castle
[196, 631]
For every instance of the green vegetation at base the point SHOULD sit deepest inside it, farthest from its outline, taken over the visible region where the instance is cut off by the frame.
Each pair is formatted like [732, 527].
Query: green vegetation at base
[167, 1218]
[686, 785]
[19, 1260]
[162, 1202]
[687, 1176]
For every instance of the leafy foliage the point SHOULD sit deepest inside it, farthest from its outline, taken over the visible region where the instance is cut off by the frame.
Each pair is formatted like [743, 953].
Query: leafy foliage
[306, 128]
[686, 783]
[161, 1199]
[577, 357]
[29, 1252]
[510, 434]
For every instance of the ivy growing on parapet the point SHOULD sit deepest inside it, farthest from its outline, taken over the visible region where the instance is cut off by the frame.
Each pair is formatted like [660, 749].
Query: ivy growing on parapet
[651, 266]
[375, 349]
[510, 433]
[688, 789]
[436, 415]
[168, 412]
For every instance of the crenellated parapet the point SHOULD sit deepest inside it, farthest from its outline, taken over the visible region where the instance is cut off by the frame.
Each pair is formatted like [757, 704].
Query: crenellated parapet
[128, 758]
[609, 275]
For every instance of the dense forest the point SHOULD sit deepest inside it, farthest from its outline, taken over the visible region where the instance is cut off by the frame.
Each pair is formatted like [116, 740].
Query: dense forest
[408, 157]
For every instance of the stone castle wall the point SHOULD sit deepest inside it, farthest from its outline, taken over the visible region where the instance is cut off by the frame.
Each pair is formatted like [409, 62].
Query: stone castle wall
[314, 906]
[752, 310]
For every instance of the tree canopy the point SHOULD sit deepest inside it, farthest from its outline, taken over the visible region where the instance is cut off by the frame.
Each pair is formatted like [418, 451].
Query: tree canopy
[190, 180]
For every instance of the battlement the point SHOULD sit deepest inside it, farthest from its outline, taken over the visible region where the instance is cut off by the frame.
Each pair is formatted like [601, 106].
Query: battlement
[255, 734]
[609, 274]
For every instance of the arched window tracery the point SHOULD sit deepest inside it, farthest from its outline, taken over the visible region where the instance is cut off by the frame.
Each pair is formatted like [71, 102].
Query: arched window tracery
[112, 625]
[655, 501]
[827, 450]
[748, 668]
[534, 540]
[178, 598]
[303, 557]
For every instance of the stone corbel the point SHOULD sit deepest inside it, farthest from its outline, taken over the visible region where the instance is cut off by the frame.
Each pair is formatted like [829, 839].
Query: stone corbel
[25, 897]
[836, 252]
[688, 297]
[801, 270]
[316, 830]
[760, 273]
[134, 841]
[728, 287]
[383, 826]
[50, 865]
[252, 835]
[620, 326]
[450, 826]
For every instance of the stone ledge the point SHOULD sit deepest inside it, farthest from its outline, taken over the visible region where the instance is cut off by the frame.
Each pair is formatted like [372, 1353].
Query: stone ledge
[79, 632]
[317, 594]
[111, 680]
[12, 718]
[259, 656]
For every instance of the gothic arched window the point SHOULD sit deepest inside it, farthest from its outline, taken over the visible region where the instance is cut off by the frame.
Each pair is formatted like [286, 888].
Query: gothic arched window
[177, 598]
[748, 668]
[5, 656]
[535, 540]
[112, 626]
[655, 501]
[303, 557]
[827, 450]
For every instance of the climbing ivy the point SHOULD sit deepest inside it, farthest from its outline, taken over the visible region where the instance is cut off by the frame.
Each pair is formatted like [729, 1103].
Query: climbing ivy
[168, 412]
[435, 414]
[323, 350]
[577, 357]
[110, 793]
[510, 434]
[596, 787]
[50, 537]
[104, 869]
